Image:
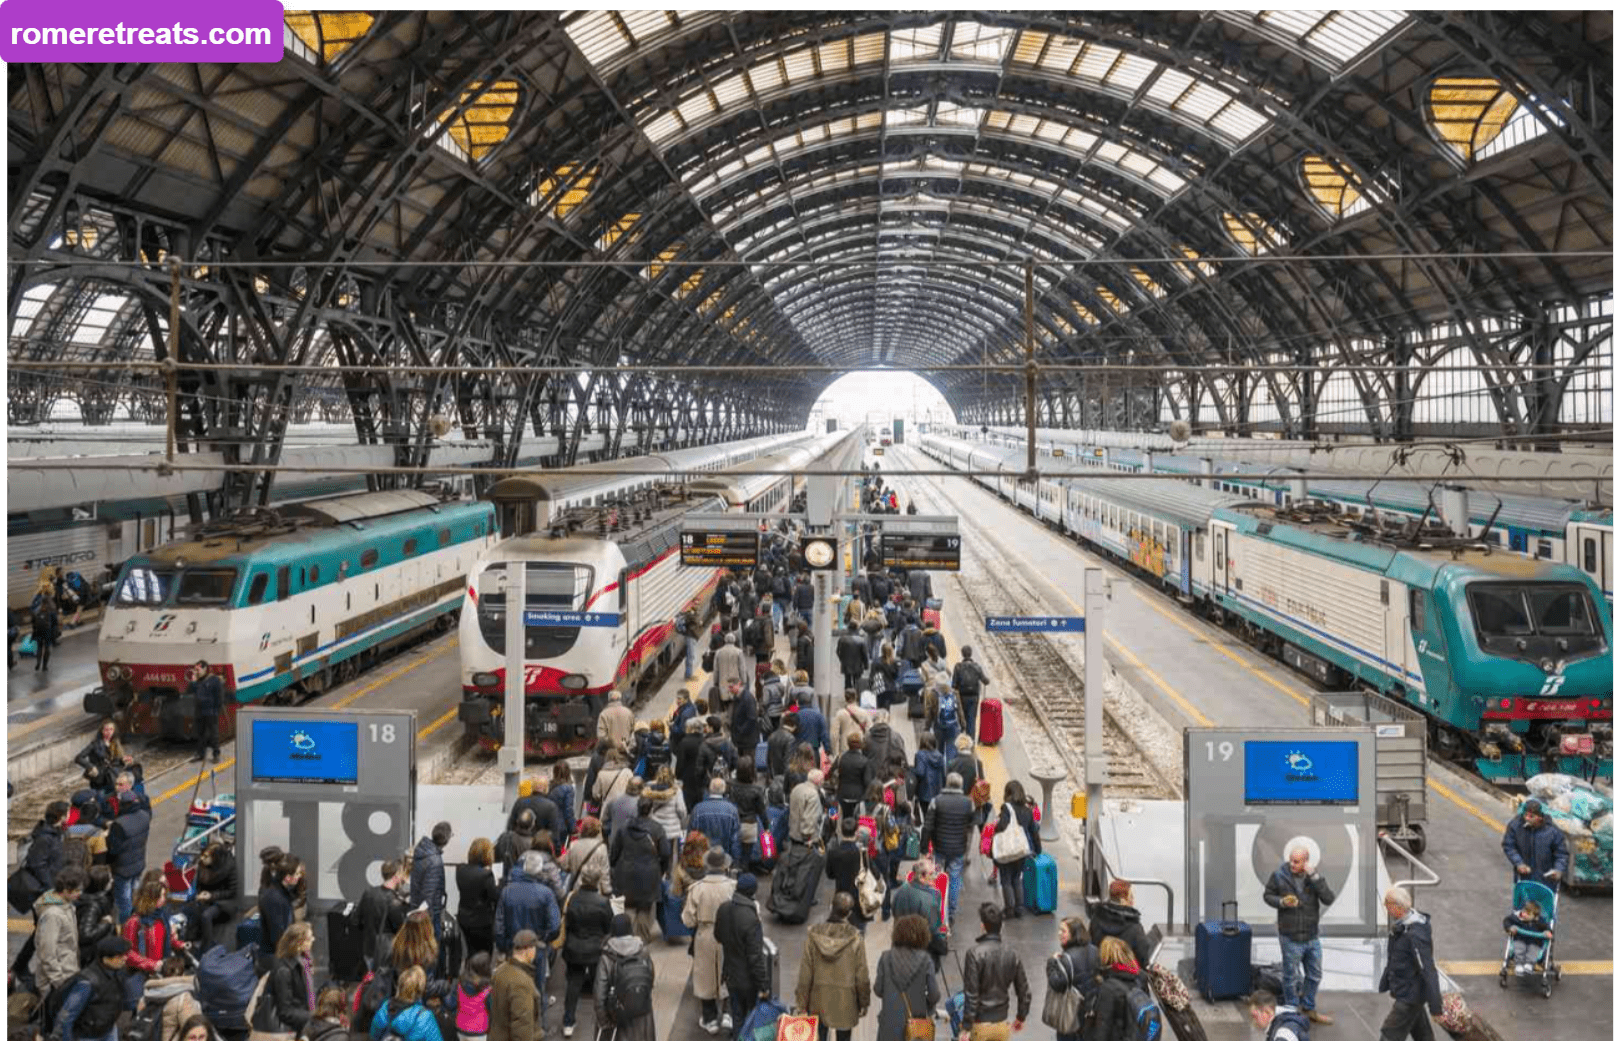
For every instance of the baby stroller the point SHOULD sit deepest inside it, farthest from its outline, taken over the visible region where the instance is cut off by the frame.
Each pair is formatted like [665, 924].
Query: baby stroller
[1544, 967]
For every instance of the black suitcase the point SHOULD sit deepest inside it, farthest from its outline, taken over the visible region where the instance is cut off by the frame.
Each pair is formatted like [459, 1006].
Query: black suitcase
[344, 943]
[795, 883]
[770, 951]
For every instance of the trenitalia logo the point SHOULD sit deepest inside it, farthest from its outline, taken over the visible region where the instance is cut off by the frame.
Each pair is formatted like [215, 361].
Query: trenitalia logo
[156, 30]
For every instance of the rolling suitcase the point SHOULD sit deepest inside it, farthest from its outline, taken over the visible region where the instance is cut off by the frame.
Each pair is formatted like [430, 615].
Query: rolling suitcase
[1222, 956]
[991, 721]
[344, 943]
[1041, 881]
[931, 615]
[672, 915]
[770, 953]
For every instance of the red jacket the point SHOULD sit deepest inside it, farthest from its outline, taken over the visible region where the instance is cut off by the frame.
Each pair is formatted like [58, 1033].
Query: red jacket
[148, 946]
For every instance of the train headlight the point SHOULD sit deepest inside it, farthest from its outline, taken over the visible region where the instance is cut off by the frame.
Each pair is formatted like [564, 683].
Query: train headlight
[574, 681]
[484, 679]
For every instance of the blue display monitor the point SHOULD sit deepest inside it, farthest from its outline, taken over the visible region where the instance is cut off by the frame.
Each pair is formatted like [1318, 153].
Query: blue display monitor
[304, 752]
[1301, 773]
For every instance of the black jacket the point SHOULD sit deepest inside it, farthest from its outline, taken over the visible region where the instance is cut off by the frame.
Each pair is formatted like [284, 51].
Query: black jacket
[222, 879]
[274, 909]
[687, 751]
[751, 801]
[853, 655]
[45, 855]
[588, 924]
[636, 856]
[990, 969]
[479, 895]
[426, 882]
[1298, 923]
[381, 913]
[1022, 814]
[290, 989]
[1111, 1016]
[544, 812]
[842, 864]
[745, 725]
[97, 757]
[95, 912]
[781, 743]
[948, 826]
[713, 749]
[853, 773]
[101, 1013]
[126, 839]
[739, 930]
[1410, 975]
[969, 678]
[209, 694]
[1123, 922]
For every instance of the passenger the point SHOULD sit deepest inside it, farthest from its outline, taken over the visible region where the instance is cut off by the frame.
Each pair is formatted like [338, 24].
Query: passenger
[905, 979]
[404, 1015]
[1300, 894]
[126, 846]
[814, 728]
[691, 865]
[513, 843]
[1524, 950]
[804, 651]
[919, 589]
[682, 712]
[639, 857]
[1535, 847]
[844, 861]
[942, 712]
[853, 655]
[563, 793]
[687, 758]
[150, 936]
[849, 719]
[705, 898]
[801, 598]
[782, 744]
[611, 782]
[416, 946]
[615, 722]
[1410, 975]
[174, 989]
[991, 969]
[1075, 967]
[688, 627]
[428, 885]
[329, 1023]
[751, 802]
[962, 761]
[728, 665]
[1279, 1022]
[382, 910]
[775, 695]
[218, 887]
[947, 834]
[621, 809]
[275, 901]
[588, 923]
[667, 808]
[588, 847]
[968, 680]
[596, 762]
[527, 907]
[549, 871]
[104, 758]
[291, 982]
[717, 757]
[623, 986]
[207, 693]
[853, 774]
[738, 930]
[546, 815]
[479, 897]
[1118, 917]
[55, 933]
[803, 761]
[883, 673]
[47, 630]
[855, 609]
[919, 897]
[516, 1002]
[718, 819]
[1016, 804]
[656, 750]
[928, 768]
[471, 997]
[1110, 1019]
[94, 909]
[745, 721]
[45, 853]
[833, 981]
[95, 996]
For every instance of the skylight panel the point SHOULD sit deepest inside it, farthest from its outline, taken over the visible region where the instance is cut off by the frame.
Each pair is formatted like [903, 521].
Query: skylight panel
[1111, 152]
[799, 65]
[1060, 55]
[1169, 87]
[664, 126]
[975, 42]
[1112, 301]
[1167, 180]
[1096, 62]
[33, 301]
[1083, 313]
[1130, 72]
[1202, 101]
[1205, 268]
[646, 24]
[598, 36]
[1239, 121]
[767, 75]
[613, 234]
[1149, 285]
[1029, 49]
[902, 117]
[1295, 23]
[98, 318]
[916, 44]
[949, 114]
[1343, 35]
[868, 49]
[731, 89]
[1138, 164]
[834, 56]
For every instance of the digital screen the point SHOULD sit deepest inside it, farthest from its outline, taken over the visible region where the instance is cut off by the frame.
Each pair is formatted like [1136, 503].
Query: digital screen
[718, 549]
[288, 751]
[1300, 773]
[925, 551]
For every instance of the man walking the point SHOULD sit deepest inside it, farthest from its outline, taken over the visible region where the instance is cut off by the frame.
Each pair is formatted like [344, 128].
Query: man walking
[728, 665]
[990, 969]
[947, 832]
[738, 930]
[1410, 976]
[968, 679]
[207, 698]
[1535, 847]
[515, 1009]
[1300, 894]
[807, 810]
[428, 885]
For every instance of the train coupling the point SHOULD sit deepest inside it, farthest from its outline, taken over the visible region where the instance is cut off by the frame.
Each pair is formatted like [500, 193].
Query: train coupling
[476, 712]
[108, 701]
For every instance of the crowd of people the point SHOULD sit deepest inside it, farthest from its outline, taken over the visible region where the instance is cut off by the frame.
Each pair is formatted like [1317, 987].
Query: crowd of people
[60, 599]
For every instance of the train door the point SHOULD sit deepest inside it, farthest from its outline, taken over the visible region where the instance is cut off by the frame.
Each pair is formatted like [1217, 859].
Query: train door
[1219, 534]
[1588, 548]
[1426, 654]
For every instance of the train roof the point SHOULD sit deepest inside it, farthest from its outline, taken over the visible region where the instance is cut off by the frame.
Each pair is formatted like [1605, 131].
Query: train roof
[1178, 501]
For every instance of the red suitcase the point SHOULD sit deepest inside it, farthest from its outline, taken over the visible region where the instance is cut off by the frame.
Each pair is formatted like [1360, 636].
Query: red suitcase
[991, 722]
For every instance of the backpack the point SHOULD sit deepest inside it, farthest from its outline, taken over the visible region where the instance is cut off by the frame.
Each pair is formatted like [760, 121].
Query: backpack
[947, 710]
[1144, 1013]
[630, 988]
[967, 679]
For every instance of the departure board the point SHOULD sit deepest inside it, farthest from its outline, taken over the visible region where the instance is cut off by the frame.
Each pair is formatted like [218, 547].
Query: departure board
[718, 548]
[922, 550]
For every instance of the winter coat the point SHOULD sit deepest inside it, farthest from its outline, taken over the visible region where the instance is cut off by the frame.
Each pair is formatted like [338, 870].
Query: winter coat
[612, 782]
[381, 913]
[668, 811]
[814, 729]
[930, 770]
[410, 1022]
[991, 969]
[545, 815]
[289, 985]
[581, 852]
[588, 924]
[702, 902]
[616, 815]
[1409, 974]
[1298, 923]
[1540, 849]
[45, 856]
[636, 855]
[853, 774]
[619, 949]
[848, 720]
[833, 981]
[881, 742]
[713, 749]
[727, 664]
[479, 896]
[738, 930]
[781, 746]
[806, 813]
[149, 941]
[515, 1008]
[904, 973]
[209, 694]
[564, 796]
[719, 820]
[179, 1001]
[1111, 1016]
[126, 839]
[55, 941]
[97, 757]
[925, 901]
[94, 912]
[919, 587]
[948, 825]
[746, 725]
[852, 653]
[526, 903]
[317, 1030]
[1023, 817]
[686, 754]
[615, 724]
[274, 915]
[969, 678]
[426, 882]
[801, 598]
[1121, 921]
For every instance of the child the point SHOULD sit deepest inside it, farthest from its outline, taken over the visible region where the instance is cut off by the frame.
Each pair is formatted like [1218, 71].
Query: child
[471, 1015]
[1526, 950]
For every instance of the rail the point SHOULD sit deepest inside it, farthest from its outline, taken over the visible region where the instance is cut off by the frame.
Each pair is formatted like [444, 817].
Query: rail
[1093, 845]
[198, 842]
[1410, 884]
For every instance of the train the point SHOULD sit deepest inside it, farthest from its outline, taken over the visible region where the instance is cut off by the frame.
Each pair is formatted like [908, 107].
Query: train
[282, 603]
[604, 582]
[1507, 655]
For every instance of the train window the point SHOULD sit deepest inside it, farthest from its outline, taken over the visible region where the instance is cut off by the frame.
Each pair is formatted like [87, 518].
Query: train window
[302, 578]
[411, 547]
[368, 558]
[283, 583]
[143, 585]
[259, 586]
[1544, 549]
[1384, 591]
[313, 575]
[1588, 555]
[1199, 546]
[479, 529]
[1415, 609]
[210, 586]
[443, 536]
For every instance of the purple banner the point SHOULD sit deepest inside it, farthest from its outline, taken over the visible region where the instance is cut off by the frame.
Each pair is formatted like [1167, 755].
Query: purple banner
[146, 30]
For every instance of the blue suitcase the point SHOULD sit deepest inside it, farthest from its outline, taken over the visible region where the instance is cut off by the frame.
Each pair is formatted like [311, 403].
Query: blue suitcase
[1222, 956]
[1041, 881]
[672, 915]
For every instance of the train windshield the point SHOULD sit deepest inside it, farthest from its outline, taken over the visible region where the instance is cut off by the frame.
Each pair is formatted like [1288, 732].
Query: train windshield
[212, 586]
[144, 586]
[1515, 614]
[550, 586]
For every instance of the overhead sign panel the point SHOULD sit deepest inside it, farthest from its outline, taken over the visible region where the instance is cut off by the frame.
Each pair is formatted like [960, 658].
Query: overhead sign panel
[1029, 624]
[719, 542]
[921, 546]
[569, 619]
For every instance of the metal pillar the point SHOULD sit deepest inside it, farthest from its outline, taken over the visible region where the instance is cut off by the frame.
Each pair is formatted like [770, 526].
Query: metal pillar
[512, 754]
[826, 670]
[1096, 765]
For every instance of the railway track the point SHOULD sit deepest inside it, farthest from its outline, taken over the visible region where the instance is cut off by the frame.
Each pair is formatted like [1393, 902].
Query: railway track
[1046, 675]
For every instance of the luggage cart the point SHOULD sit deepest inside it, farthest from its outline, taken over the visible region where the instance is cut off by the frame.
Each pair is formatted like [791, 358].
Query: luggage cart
[1401, 739]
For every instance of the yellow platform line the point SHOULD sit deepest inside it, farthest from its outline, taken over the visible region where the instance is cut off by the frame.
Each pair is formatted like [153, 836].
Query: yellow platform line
[1492, 967]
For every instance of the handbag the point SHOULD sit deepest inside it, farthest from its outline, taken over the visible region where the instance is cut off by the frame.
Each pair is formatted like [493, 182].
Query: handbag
[1062, 1010]
[870, 889]
[263, 1018]
[1011, 843]
[990, 1032]
[916, 1029]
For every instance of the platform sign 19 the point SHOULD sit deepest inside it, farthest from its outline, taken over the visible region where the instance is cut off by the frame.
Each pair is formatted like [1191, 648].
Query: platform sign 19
[735, 549]
[920, 550]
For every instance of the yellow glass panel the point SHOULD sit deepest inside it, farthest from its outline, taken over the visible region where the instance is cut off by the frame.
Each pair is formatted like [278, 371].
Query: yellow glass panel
[1084, 314]
[260, 284]
[86, 236]
[614, 233]
[484, 119]
[1206, 268]
[710, 302]
[578, 191]
[1150, 286]
[689, 285]
[1252, 234]
[1469, 112]
[1114, 302]
[671, 253]
[1331, 188]
[329, 33]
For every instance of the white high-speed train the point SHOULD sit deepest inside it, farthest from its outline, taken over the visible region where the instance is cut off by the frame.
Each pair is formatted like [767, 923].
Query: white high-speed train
[602, 551]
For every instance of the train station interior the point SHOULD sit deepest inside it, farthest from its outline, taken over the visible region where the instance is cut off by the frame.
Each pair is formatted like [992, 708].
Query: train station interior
[974, 483]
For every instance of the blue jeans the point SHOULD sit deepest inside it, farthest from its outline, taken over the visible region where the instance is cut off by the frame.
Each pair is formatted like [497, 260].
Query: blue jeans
[1304, 955]
[123, 896]
[692, 654]
[778, 615]
[954, 866]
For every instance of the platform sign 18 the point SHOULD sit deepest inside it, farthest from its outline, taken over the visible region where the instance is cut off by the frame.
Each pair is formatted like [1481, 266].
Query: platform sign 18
[735, 549]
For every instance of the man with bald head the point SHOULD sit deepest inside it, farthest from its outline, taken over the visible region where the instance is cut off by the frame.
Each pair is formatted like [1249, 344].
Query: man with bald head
[1410, 976]
[807, 810]
[1299, 893]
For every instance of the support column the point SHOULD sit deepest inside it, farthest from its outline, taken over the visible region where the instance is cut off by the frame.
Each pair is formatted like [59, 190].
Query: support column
[1096, 767]
[512, 754]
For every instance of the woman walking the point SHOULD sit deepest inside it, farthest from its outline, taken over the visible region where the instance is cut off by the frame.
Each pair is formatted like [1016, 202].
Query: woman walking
[905, 979]
[479, 895]
[587, 923]
[1016, 812]
[833, 982]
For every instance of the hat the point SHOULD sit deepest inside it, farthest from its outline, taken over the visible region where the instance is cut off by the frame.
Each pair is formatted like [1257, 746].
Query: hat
[112, 947]
[1533, 806]
[526, 939]
[746, 884]
[717, 860]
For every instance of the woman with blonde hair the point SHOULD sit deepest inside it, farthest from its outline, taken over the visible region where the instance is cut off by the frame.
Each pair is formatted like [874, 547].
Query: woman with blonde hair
[1118, 967]
[291, 981]
[416, 943]
[405, 1014]
[667, 807]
